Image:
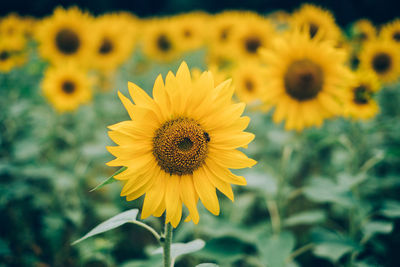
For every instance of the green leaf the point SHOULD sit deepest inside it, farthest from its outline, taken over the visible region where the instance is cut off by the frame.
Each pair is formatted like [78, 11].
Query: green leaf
[224, 250]
[322, 190]
[262, 181]
[109, 180]
[391, 209]
[376, 227]
[154, 261]
[332, 251]
[114, 222]
[179, 249]
[306, 217]
[276, 249]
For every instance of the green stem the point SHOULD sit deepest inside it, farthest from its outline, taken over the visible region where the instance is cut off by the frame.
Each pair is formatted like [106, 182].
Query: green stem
[274, 215]
[299, 251]
[167, 245]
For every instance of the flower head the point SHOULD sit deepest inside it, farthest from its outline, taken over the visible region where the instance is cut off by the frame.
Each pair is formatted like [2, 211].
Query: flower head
[178, 147]
[307, 79]
[66, 87]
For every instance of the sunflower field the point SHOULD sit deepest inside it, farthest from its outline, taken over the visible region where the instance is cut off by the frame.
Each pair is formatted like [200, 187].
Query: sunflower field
[230, 139]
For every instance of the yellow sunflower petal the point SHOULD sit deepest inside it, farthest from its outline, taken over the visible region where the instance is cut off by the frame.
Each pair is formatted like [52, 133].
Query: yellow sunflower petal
[206, 191]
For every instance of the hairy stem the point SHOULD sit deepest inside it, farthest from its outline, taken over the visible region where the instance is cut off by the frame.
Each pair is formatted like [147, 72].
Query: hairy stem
[167, 245]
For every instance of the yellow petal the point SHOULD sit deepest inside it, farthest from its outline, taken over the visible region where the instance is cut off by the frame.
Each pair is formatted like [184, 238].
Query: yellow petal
[139, 96]
[230, 141]
[232, 159]
[172, 197]
[140, 192]
[131, 151]
[161, 97]
[206, 191]
[224, 174]
[183, 74]
[221, 185]
[135, 166]
[134, 184]
[127, 104]
[189, 196]
[154, 197]
[238, 126]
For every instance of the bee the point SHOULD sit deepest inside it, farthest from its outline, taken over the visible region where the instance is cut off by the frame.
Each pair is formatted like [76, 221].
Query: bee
[207, 137]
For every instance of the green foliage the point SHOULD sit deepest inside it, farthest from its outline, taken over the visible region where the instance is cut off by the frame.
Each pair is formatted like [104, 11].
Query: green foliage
[114, 222]
[109, 180]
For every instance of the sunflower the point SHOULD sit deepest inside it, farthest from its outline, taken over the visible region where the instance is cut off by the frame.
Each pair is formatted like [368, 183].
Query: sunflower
[221, 27]
[191, 28]
[361, 104]
[160, 40]
[382, 58]
[307, 80]
[179, 146]
[391, 31]
[113, 41]
[66, 87]
[12, 29]
[363, 30]
[253, 33]
[317, 21]
[249, 83]
[66, 35]
[10, 57]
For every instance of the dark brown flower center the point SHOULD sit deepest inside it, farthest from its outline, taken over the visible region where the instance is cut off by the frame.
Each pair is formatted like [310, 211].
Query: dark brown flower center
[4, 55]
[363, 36]
[68, 87]
[354, 61]
[163, 43]
[67, 41]
[252, 44]
[313, 29]
[224, 34]
[180, 146]
[106, 46]
[187, 33]
[361, 95]
[249, 85]
[381, 62]
[396, 36]
[303, 79]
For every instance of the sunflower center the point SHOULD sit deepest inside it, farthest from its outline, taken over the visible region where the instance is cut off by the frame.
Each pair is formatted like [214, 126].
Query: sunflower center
[363, 36]
[180, 146]
[249, 85]
[4, 55]
[163, 43]
[361, 95]
[396, 36]
[354, 61]
[303, 79]
[252, 44]
[68, 87]
[187, 33]
[381, 62]
[67, 41]
[224, 34]
[106, 46]
[313, 29]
